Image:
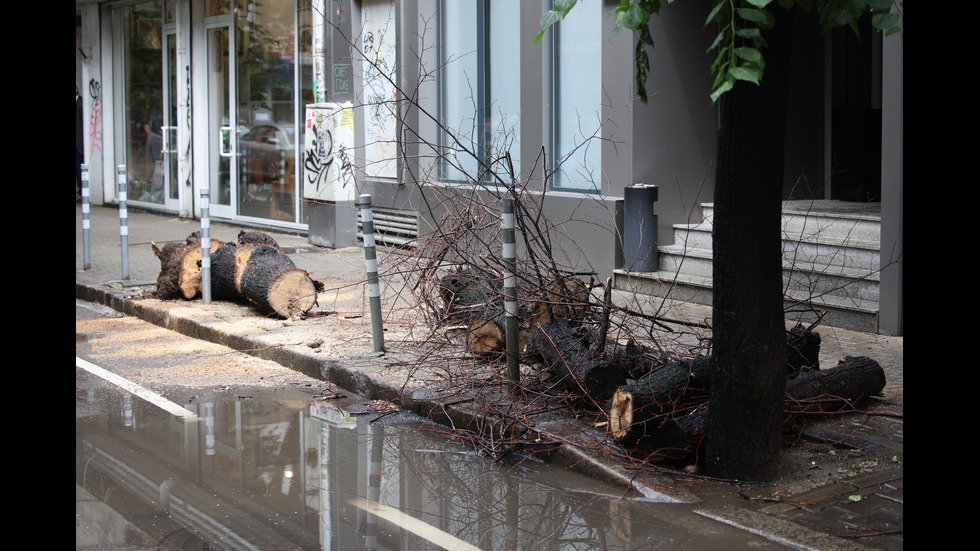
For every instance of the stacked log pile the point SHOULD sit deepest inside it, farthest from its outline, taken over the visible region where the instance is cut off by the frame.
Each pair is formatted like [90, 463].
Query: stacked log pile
[666, 412]
[253, 269]
[659, 408]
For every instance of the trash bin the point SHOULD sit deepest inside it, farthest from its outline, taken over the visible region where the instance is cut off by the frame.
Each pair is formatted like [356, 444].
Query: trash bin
[640, 228]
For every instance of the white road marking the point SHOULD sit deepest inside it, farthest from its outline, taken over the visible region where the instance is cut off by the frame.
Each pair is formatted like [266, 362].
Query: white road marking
[136, 389]
[413, 525]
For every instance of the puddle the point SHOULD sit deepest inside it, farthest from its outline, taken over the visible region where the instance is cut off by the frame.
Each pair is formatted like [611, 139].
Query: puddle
[264, 473]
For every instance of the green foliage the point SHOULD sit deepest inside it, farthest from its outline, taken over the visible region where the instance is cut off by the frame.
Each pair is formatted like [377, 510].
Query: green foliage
[739, 43]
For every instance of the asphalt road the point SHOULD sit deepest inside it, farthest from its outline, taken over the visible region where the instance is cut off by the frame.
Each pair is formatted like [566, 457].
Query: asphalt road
[176, 366]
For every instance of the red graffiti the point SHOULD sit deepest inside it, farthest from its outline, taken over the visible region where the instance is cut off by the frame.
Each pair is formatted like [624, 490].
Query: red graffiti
[95, 125]
[95, 121]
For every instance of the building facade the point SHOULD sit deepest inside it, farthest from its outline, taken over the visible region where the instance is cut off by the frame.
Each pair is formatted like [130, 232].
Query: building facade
[232, 97]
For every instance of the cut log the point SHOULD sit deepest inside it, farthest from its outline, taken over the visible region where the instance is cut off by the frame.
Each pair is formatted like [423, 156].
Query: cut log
[180, 268]
[270, 279]
[853, 378]
[566, 298]
[561, 348]
[677, 437]
[255, 270]
[802, 350]
[485, 337]
[637, 409]
[223, 273]
[252, 237]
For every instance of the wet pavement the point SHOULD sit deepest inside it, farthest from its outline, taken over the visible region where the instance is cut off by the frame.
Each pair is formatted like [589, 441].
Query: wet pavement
[335, 343]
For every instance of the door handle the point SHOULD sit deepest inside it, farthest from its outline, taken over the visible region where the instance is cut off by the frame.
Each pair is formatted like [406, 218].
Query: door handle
[169, 139]
[225, 137]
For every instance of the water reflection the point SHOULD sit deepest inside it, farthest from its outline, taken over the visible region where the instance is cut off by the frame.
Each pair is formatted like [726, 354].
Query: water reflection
[258, 474]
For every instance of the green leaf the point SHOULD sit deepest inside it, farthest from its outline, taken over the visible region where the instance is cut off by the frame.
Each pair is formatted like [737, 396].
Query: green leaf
[718, 39]
[752, 32]
[722, 4]
[638, 16]
[885, 21]
[747, 73]
[749, 54]
[759, 3]
[564, 6]
[548, 19]
[854, 498]
[764, 19]
[725, 86]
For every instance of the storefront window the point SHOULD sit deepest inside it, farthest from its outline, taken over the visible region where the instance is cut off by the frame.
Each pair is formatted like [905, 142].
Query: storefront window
[143, 92]
[578, 98]
[378, 64]
[480, 89]
[266, 110]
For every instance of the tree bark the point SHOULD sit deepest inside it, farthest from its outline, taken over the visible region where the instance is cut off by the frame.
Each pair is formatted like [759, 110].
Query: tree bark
[270, 279]
[638, 409]
[749, 342]
[255, 270]
[853, 378]
[180, 267]
[560, 346]
[678, 437]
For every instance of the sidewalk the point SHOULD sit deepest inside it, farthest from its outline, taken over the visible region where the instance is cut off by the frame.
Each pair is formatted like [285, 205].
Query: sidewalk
[334, 342]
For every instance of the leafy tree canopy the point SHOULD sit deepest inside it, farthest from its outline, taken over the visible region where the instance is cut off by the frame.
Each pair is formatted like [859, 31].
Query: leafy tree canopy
[739, 43]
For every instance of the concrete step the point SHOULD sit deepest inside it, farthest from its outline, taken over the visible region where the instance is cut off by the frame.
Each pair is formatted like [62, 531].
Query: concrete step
[846, 312]
[800, 278]
[831, 260]
[823, 220]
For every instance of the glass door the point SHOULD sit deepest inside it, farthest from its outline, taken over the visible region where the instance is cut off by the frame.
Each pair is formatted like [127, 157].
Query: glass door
[168, 131]
[222, 122]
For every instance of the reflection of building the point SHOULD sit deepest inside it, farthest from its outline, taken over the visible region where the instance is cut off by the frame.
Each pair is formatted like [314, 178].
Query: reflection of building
[219, 69]
[262, 475]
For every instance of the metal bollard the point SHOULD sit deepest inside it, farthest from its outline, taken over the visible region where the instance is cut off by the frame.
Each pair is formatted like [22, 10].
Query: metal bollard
[123, 224]
[640, 228]
[510, 291]
[371, 262]
[86, 223]
[205, 245]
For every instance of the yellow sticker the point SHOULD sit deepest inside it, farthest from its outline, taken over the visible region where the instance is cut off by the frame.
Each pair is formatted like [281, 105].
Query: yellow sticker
[347, 118]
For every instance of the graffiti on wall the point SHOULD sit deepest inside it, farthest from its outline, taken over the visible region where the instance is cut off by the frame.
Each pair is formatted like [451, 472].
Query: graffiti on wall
[329, 172]
[380, 95]
[95, 121]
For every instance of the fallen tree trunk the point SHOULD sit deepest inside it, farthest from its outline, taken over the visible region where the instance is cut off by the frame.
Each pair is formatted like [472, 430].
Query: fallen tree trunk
[255, 270]
[180, 267]
[637, 409]
[270, 279]
[485, 337]
[853, 378]
[676, 436]
[563, 351]
[223, 273]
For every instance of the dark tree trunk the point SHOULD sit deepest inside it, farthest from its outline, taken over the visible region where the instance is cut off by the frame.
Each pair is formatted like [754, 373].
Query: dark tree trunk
[271, 280]
[638, 410]
[678, 437]
[223, 273]
[749, 334]
[561, 347]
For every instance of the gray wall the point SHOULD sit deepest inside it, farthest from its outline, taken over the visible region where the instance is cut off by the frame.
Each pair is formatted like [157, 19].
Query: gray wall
[674, 132]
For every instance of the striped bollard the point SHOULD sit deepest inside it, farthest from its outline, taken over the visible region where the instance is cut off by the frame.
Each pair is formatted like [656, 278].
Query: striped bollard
[205, 245]
[86, 223]
[371, 262]
[510, 292]
[123, 224]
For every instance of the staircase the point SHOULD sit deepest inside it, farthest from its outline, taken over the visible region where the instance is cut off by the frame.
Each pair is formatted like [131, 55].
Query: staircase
[831, 264]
